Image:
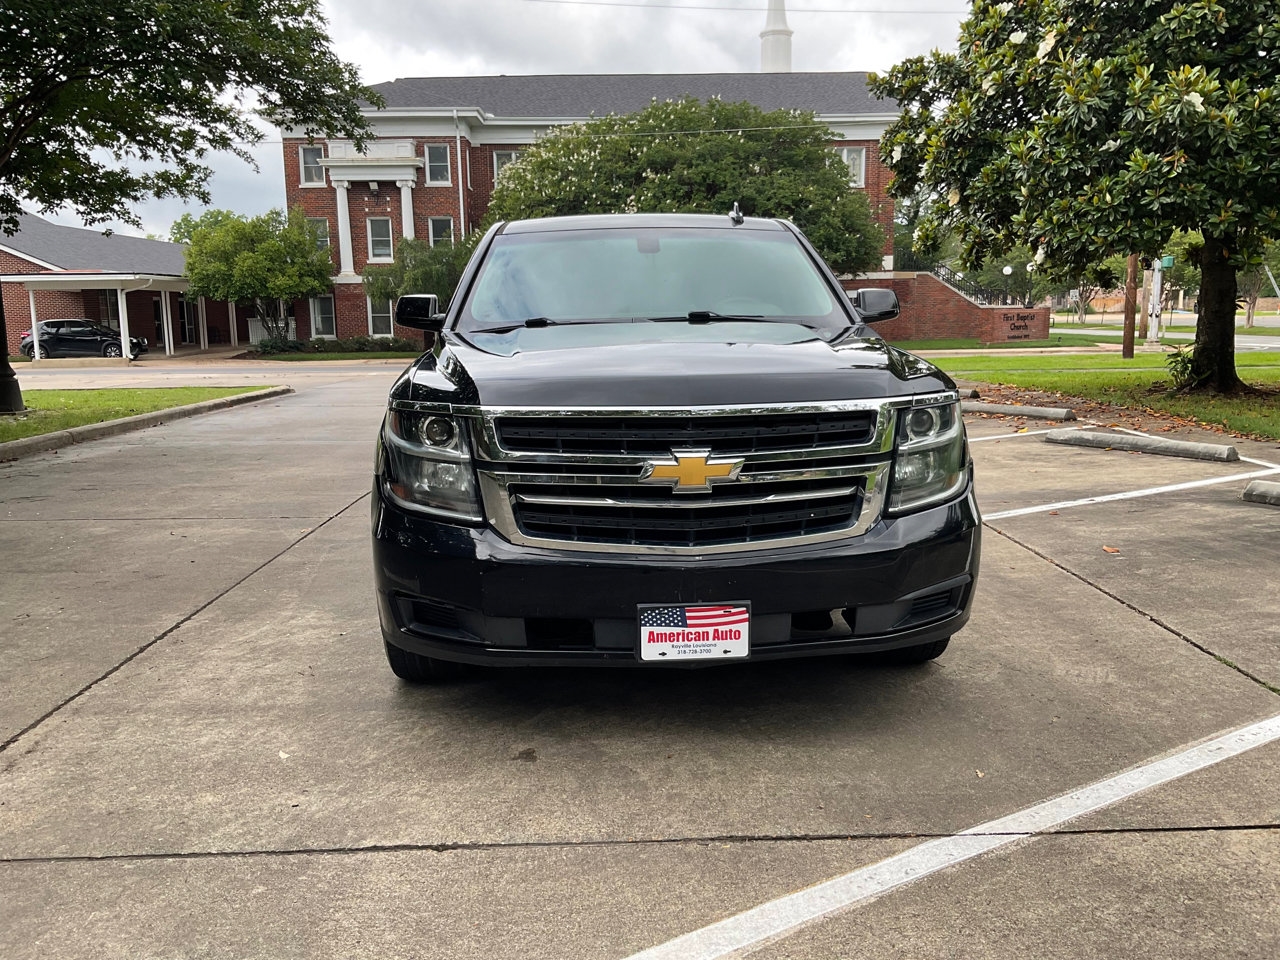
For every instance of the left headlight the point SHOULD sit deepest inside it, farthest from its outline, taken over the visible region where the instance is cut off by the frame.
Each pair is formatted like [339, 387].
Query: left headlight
[427, 467]
[929, 465]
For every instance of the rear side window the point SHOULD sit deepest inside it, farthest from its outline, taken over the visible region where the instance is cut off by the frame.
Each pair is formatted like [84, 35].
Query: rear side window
[644, 273]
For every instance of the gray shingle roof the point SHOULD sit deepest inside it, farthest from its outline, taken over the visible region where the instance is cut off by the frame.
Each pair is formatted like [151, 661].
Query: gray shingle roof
[78, 248]
[580, 96]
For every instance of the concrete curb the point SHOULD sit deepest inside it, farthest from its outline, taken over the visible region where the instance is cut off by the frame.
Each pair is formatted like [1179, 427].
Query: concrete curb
[1263, 491]
[46, 442]
[1014, 410]
[1157, 445]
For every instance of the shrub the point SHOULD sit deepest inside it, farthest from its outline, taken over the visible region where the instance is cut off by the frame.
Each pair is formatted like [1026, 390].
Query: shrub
[280, 344]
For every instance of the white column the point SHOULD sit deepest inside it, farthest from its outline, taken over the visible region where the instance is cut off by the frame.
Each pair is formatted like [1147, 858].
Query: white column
[346, 263]
[204, 325]
[35, 327]
[406, 207]
[125, 349]
[231, 315]
[166, 321]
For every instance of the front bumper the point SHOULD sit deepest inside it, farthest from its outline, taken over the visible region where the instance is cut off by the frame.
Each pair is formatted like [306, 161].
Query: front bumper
[465, 594]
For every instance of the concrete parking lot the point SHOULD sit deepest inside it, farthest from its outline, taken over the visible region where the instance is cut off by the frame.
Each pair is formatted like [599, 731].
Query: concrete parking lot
[204, 754]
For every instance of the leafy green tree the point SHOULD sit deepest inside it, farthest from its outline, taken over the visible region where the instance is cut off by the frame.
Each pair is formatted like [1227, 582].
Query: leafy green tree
[1255, 281]
[421, 268]
[1085, 129]
[107, 103]
[687, 156]
[181, 230]
[265, 261]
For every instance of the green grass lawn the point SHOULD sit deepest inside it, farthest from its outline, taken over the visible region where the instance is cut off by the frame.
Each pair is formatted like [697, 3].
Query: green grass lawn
[1076, 340]
[1248, 331]
[52, 410]
[366, 355]
[1140, 383]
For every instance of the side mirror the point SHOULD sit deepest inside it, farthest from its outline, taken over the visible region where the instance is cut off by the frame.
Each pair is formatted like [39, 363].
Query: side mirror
[421, 311]
[874, 304]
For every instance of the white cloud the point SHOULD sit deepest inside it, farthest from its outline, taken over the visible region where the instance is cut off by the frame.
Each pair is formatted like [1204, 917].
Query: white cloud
[389, 39]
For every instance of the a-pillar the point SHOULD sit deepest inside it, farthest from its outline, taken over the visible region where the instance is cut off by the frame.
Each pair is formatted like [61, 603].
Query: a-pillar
[406, 207]
[346, 263]
[125, 347]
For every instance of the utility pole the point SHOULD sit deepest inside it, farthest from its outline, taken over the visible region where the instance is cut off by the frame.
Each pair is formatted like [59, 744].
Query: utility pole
[1130, 305]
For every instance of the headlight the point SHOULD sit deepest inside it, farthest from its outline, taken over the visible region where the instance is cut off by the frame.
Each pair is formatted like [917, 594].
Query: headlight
[427, 466]
[929, 465]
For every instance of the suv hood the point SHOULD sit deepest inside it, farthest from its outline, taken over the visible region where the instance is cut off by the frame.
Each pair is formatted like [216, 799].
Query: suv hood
[623, 366]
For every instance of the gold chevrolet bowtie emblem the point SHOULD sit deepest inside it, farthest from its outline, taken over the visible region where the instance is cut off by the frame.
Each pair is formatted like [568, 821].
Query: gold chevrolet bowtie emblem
[691, 471]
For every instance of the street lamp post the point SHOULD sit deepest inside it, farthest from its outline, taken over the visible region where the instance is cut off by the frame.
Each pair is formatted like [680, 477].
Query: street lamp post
[1008, 272]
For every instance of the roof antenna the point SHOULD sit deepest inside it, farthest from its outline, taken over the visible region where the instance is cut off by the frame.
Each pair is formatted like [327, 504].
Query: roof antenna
[735, 215]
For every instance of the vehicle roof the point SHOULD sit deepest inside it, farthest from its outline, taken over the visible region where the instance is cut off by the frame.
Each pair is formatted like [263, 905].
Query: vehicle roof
[616, 221]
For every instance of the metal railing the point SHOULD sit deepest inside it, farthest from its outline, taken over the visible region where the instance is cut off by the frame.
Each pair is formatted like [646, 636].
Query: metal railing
[980, 294]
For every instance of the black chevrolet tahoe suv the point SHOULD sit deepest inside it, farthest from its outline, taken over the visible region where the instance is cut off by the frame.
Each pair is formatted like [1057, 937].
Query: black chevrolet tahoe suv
[666, 440]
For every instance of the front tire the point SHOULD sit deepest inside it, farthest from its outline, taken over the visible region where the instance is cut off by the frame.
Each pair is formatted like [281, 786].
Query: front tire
[415, 668]
[112, 350]
[915, 656]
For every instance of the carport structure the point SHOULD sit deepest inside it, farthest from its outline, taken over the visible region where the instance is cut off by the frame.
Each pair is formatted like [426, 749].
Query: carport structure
[121, 284]
[49, 271]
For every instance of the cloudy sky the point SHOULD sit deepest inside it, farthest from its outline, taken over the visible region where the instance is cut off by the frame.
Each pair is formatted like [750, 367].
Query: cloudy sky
[388, 39]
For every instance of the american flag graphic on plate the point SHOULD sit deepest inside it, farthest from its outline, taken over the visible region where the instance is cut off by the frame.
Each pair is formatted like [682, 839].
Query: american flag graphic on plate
[701, 632]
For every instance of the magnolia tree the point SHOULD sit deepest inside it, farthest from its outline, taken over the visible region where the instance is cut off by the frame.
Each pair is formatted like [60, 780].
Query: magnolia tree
[687, 156]
[268, 261]
[1086, 129]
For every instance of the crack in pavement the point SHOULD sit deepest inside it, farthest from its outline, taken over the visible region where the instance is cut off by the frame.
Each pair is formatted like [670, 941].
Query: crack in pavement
[728, 839]
[1136, 609]
[168, 631]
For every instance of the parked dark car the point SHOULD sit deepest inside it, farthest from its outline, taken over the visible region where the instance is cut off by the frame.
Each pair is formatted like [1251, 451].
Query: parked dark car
[666, 440]
[78, 338]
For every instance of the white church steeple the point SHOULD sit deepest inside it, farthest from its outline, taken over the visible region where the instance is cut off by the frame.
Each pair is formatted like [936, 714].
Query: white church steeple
[775, 40]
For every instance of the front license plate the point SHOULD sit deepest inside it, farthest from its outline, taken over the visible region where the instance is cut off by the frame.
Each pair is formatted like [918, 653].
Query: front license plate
[704, 631]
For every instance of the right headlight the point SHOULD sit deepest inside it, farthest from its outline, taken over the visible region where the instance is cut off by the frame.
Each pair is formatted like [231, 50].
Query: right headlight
[426, 465]
[929, 463]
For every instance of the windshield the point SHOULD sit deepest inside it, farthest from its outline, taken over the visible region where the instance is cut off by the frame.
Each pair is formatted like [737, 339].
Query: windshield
[641, 274]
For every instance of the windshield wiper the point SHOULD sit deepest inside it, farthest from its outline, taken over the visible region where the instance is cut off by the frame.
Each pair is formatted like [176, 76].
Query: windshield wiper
[707, 316]
[532, 322]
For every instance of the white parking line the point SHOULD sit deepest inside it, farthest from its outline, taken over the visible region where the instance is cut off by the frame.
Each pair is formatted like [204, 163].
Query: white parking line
[1025, 433]
[1131, 494]
[777, 919]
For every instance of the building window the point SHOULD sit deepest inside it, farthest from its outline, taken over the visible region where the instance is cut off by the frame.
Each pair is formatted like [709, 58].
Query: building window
[322, 320]
[855, 158]
[109, 309]
[380, 238]
[501, 158]
[312, 172]
[440, 230]
[438, 164]
[320, 230]
[379, 318]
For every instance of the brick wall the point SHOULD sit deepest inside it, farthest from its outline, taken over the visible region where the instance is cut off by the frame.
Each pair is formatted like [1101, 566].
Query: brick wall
[877, 189]
[931, 310]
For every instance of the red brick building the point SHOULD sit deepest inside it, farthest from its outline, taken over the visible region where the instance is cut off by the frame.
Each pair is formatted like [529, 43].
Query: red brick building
[441, 142]
[135, 286]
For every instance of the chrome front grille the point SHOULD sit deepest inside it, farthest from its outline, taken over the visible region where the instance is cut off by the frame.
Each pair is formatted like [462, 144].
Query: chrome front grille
[657, 435]
[581, 479]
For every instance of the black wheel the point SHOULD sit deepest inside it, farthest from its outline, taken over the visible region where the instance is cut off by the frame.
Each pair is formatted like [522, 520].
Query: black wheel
[419, 669]
[27, 350]
[112, 350]
[914, 656]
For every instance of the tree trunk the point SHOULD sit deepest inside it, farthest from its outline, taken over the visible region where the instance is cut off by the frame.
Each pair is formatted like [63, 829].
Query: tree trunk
[1130, 305]
[1213, 364]
[10, 392]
